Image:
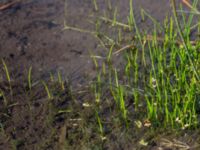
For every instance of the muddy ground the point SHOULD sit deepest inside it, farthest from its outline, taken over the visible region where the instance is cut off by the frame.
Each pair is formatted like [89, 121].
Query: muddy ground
[32, 35]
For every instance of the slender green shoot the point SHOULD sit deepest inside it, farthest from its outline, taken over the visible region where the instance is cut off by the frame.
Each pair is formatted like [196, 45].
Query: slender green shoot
[183, 39]
[114, 17]
[6, 71]
[99, 123]
[50, 96]
[60, 81]
[2, 96]
[30, 78]
[95, 5]
[7, 76]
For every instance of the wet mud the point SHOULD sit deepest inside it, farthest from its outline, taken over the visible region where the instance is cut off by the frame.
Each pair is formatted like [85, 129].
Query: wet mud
[32, 35]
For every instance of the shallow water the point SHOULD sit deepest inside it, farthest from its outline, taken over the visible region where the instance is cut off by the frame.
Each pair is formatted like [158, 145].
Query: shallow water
[32, 34]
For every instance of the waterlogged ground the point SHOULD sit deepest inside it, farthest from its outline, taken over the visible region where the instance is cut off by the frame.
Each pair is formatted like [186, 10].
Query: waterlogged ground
[32, 35]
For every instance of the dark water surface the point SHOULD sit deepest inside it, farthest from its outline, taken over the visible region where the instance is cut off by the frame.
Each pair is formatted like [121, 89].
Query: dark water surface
[31, 33]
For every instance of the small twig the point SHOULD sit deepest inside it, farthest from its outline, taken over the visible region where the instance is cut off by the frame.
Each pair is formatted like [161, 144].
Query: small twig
[8, 5]
[149, 38]
[123, 49]
[187, 3]
[174, 144]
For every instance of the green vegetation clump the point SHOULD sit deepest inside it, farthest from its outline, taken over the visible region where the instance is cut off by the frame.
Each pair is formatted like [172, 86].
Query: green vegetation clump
[160, 76]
